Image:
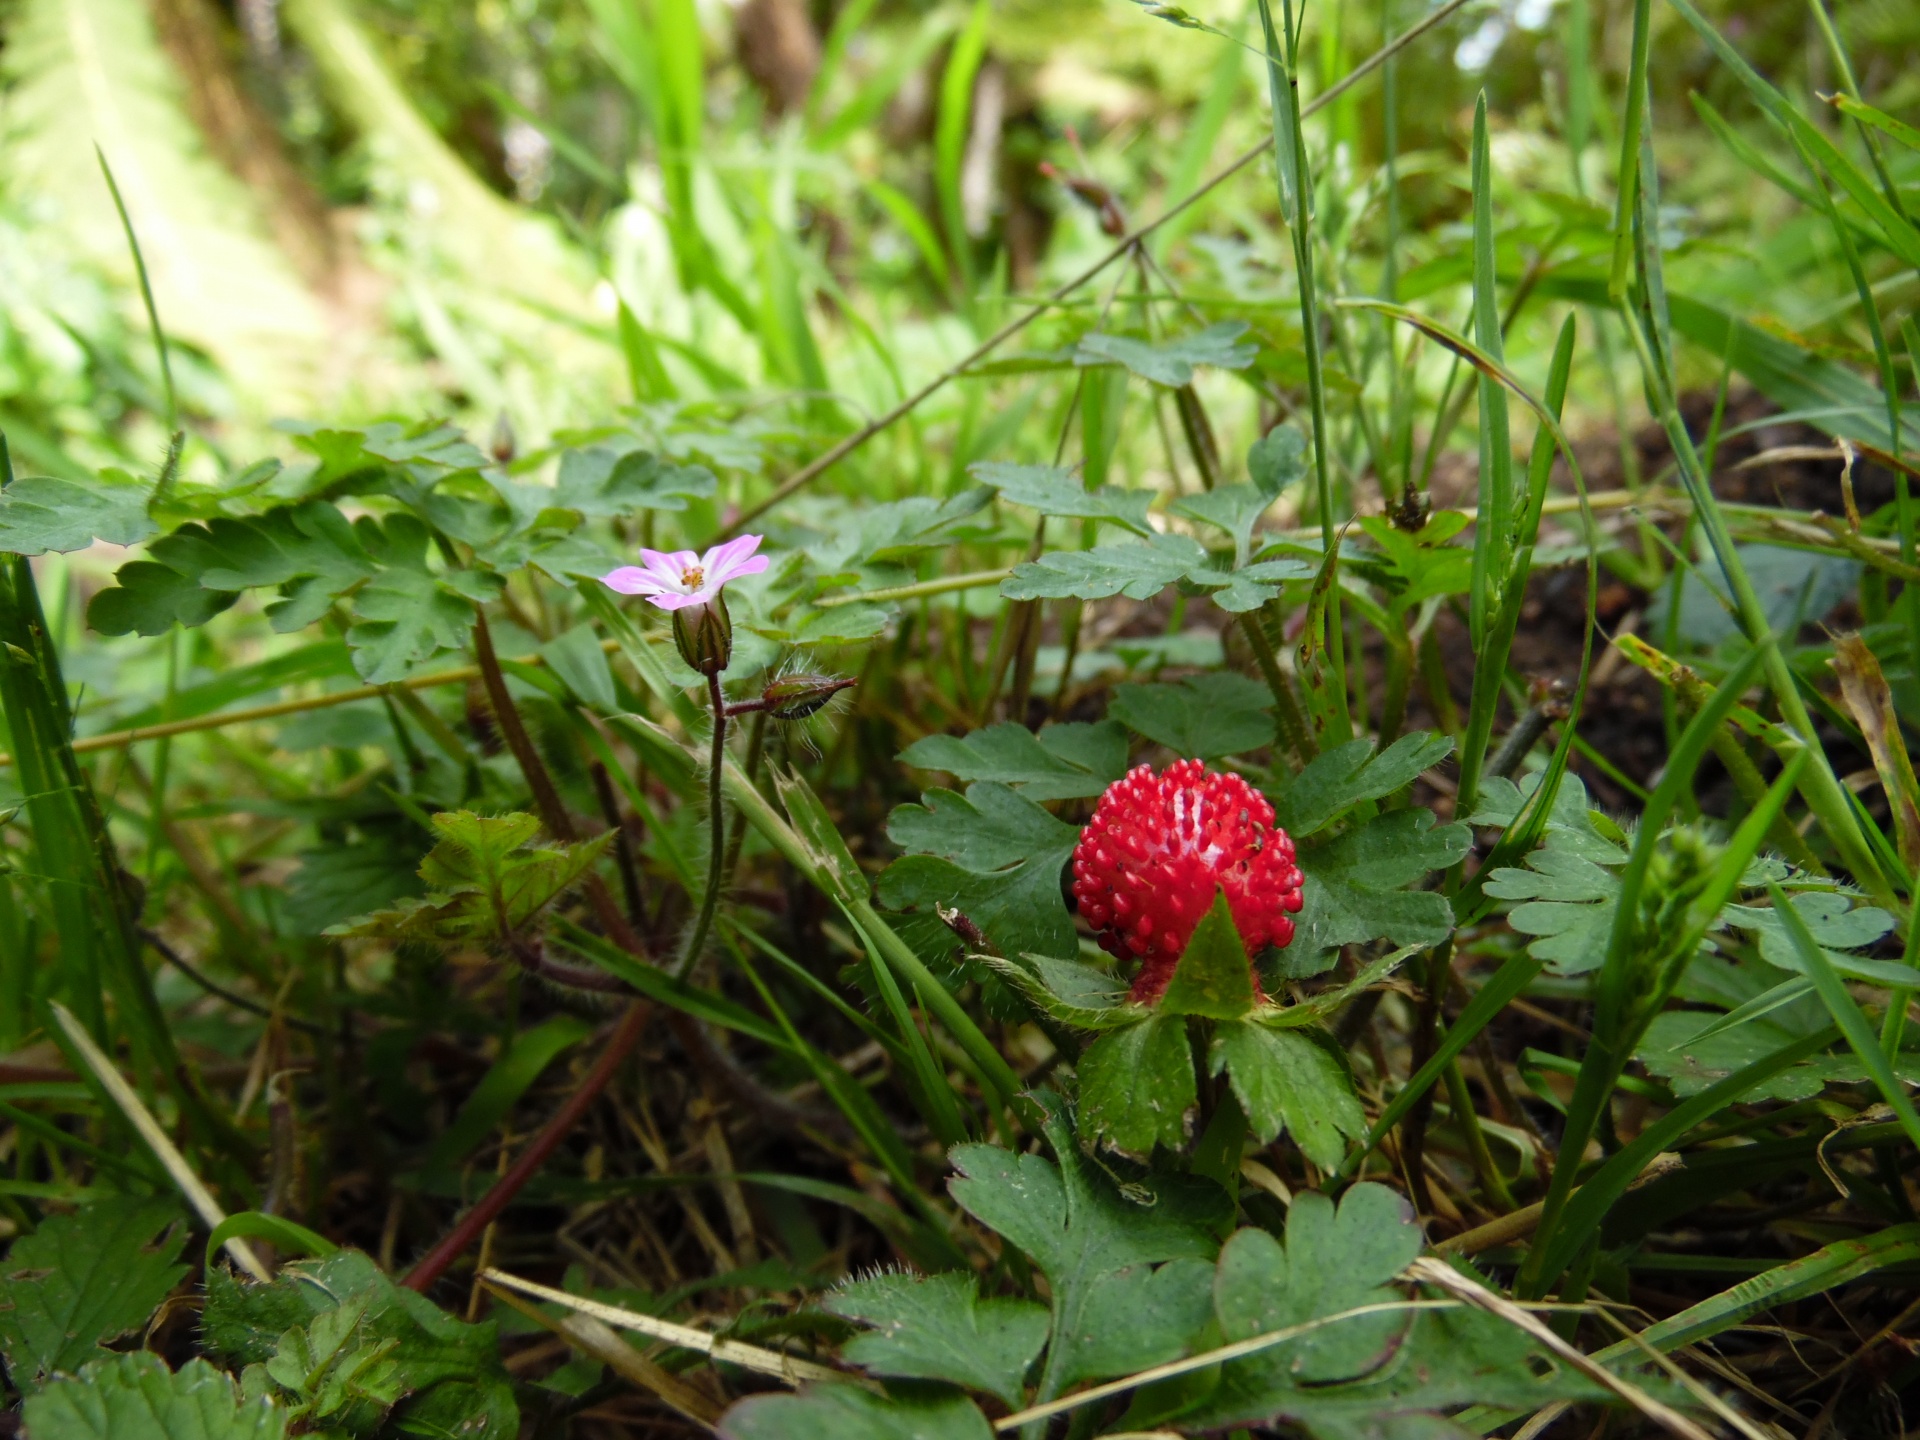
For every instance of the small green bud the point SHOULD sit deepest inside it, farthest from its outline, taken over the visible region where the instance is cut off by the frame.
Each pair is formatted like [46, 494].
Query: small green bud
[704, 633]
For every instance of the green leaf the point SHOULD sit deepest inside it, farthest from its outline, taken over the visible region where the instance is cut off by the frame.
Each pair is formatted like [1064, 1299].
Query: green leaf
[1355, 884]
[1836, 924]
[1212, 978]
[1137, 571]
[312, 548]
[406, 615]
[602, 481]
[1232, 508]
[1338, 779]
[1277, 460]
[84, 1278]
[334, 1368]
[1070, 991]
[938, 1328]
[1572, 825]
[1378, 1374]
[1333, 1259]
[1284, 1081]
[1422, 565]
[136, 1395]
[1570, 903]
[994, 855]
[506, 1080]
[1054, 491]
[1137, 1088]
[1171, 362]
[1204, 717]
[1062, 762]
[847, 1412]
[39, 513]
[449, 1373]
[288, 1235]
[576, 657]
[487, 883]
[1095, 1245]
[148, 598]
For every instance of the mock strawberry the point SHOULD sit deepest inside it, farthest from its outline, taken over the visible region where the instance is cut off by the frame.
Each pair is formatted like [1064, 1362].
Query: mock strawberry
[1158, 846]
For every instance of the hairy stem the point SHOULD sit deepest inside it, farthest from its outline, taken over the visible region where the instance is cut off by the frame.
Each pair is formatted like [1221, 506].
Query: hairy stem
[717, 852]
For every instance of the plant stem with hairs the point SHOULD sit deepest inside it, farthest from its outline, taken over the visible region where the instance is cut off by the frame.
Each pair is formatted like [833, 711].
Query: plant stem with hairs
[717, 852]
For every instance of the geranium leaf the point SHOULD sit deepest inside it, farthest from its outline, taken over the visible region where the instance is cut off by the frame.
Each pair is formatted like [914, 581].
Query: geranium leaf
[1203, 717]
[1356, 891]
[938, 1328]
[1338, 779]
[1054, 491]
[39, 513]
[1096, 1246]
[1062, 762]
[1276, 460]
[1138, 571]
[1171, 362]
[847, 1412]
[994, 855]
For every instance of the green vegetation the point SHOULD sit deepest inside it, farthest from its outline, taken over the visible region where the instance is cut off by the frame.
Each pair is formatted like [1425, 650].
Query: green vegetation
[583, 587]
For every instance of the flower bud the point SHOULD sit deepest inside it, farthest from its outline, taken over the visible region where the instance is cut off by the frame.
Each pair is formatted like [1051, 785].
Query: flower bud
[795, 697]
[704, 633]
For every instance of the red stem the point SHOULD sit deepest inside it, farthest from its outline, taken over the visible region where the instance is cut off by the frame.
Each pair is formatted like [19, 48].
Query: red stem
[620, 1044]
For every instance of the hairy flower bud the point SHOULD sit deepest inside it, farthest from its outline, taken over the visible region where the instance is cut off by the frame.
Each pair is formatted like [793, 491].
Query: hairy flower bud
[795, 697]
[704, 633]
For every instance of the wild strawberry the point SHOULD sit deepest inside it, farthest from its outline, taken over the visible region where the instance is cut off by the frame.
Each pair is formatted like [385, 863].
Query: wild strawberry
[1158, 846]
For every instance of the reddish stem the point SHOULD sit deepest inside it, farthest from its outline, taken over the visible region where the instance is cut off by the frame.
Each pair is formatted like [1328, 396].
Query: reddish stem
[620, 1044]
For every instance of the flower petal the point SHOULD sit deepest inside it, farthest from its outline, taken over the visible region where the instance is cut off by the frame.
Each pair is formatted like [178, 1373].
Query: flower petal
[672, 600]
[723, 559]
[632, 580]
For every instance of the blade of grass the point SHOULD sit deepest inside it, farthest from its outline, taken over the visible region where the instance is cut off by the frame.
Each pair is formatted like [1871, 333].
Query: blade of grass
[138, 1116]
[1629, 989]
[146, 295]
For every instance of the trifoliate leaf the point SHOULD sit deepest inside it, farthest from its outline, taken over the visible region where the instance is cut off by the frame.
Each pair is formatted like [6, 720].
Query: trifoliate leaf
[1570, 906]
[1136, 1086]
[148, 598]
[1137, 571]
[1284, 1081]
[1277, 460]
[1203, 717]
[847, 1412]
[1054, 491]
[81, 1279]
[1171, 362]
[1251, 586]
[1356, 891]
[333, 1369]
[1421, 565]
[1338, 779]
[994, 855]
[136, 1395]
[1212, 977]
[1096, 1246]
[39, 513]
[937, 1327]
[486, 882]
[1062, 762]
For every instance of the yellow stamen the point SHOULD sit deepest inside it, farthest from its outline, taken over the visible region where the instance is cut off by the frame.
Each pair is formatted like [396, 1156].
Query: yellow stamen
[693, 577]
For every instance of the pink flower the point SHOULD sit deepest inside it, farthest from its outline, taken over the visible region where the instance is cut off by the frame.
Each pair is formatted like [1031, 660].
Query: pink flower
[683, 578]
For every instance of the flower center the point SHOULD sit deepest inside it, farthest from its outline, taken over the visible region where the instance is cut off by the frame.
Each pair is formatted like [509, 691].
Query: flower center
[693, 577]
